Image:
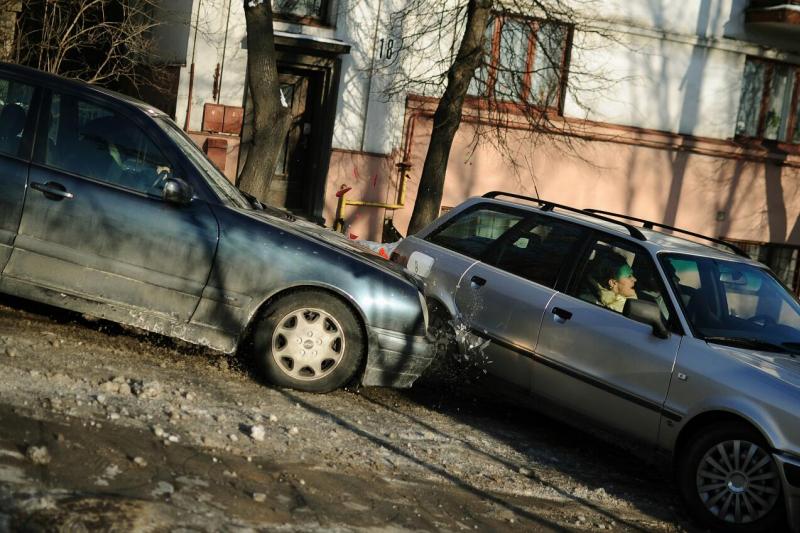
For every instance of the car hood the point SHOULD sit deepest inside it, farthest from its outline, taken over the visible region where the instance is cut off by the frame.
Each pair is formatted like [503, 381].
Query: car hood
[781, 366]
[341, 243]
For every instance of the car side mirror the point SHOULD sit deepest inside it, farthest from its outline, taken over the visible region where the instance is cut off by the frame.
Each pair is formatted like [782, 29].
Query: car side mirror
[647, 313]
[176, 191]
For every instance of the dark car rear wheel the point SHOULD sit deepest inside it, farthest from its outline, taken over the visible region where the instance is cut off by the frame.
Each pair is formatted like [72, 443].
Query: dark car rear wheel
[729, 480]
[310, 341]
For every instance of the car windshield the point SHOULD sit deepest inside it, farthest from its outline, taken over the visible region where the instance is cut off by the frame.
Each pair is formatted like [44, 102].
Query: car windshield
[735, 303]
[216, 180]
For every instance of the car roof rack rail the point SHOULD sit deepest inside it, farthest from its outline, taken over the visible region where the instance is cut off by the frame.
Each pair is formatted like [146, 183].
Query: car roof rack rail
[649, 224]
[546, 205]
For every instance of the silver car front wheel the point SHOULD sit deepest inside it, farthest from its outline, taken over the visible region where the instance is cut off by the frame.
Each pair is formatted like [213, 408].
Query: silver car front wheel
[730, 481]
[738, 481]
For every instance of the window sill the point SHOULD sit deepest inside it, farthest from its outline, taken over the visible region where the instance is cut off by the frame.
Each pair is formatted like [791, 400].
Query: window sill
[738, 148]
[482, 108]
[507, 106]
[772, 148]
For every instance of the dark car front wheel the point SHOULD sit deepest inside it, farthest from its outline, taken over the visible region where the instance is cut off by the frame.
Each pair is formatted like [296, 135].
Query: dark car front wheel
[310, 341]
[729, 480]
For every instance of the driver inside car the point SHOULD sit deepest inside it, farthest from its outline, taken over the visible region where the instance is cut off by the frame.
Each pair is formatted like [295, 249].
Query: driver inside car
[610, 281]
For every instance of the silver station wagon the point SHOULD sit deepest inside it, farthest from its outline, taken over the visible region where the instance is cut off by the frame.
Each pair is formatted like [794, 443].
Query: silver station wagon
[108, 208]
[687, 349]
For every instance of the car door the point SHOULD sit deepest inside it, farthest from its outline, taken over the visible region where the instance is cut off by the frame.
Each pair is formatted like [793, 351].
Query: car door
[593, 359]
[17, 119]
[442, 256]
[94, 224]
[504, 298]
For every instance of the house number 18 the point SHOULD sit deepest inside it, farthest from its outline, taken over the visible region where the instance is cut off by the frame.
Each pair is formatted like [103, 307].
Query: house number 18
[387, 49]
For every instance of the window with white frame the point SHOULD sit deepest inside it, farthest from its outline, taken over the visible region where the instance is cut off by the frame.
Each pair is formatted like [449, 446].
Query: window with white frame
[769, 106]
[525, 61]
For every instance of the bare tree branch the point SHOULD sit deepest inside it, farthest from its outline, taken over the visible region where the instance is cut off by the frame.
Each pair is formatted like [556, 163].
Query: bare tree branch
[99, 41]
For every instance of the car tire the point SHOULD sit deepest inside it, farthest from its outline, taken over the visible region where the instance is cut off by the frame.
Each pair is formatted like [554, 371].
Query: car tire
[726, 464]
[309, 340]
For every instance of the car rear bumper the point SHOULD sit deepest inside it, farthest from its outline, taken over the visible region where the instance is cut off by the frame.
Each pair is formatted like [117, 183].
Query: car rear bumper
[789, 467]
[395, 359]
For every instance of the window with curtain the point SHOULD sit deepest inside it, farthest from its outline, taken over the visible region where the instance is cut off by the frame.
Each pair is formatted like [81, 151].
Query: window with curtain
[769, 106]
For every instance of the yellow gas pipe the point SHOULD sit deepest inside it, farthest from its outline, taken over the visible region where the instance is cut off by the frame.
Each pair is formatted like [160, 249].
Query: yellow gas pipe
[338, 224]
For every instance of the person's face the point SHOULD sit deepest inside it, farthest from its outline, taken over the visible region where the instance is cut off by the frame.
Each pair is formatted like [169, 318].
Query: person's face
[624, 282]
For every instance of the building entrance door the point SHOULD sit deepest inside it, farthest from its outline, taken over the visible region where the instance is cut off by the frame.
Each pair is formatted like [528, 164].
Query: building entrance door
[309, 77]
[291, 185]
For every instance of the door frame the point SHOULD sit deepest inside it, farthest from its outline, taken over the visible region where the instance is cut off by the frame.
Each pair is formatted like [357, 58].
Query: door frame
[320, 59]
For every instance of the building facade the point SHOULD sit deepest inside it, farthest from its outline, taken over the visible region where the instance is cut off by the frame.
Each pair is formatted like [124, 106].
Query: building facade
[684, 112]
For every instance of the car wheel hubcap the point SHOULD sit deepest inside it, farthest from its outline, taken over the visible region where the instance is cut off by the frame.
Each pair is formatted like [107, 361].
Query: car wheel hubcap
[738, 482]
[308, 344]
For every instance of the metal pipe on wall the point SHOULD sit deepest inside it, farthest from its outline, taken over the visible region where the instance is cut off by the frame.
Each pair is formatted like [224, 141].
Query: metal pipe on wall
[371, 74]
[224, 50]
[191, 69]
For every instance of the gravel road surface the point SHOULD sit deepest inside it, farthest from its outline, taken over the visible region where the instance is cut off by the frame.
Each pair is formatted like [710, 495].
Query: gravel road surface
[105, 428]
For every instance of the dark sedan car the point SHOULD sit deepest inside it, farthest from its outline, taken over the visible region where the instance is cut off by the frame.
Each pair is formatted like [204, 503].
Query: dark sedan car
[108, 208]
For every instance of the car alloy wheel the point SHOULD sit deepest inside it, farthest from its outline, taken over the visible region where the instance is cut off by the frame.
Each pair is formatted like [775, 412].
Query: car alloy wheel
[738, 481]
[308, 344]
[729, 479]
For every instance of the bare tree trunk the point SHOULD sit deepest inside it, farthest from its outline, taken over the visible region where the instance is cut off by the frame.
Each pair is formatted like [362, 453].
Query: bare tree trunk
[270, 116]
[447, 118]
[8, 25]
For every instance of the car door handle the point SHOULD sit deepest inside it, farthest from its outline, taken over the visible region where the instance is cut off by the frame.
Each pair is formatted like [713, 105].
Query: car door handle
[563, 314]
[52, 190]
[477, 282]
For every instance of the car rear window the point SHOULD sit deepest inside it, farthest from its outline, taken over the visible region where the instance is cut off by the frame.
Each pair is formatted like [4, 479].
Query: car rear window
[475, 230]
[538, 249]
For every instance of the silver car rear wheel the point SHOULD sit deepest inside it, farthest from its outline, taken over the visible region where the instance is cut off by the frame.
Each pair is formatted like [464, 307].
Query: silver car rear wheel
[738, 481]
[308, 344]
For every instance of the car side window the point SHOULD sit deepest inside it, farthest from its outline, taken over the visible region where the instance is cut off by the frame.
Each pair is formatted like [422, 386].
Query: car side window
[615, 272]
[538, 249]
[15, 102]
[475, 230]
[685, 276]
[95, 142]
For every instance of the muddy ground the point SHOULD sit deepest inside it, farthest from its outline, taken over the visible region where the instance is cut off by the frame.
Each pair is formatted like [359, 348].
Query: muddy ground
[103, 428]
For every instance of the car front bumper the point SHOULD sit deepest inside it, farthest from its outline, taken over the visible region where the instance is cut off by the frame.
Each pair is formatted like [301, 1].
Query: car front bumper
[395, 359]
[789, 467]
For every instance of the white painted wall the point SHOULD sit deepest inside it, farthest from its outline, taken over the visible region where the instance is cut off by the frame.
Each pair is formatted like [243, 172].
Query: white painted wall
[674, 66]
[669, 65]
[366, 120]
[207, 47]
[172, 33]
[661, 84]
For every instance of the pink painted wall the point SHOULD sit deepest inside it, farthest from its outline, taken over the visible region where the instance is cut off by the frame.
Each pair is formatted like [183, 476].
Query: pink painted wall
[373, 178]
[708, 186]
